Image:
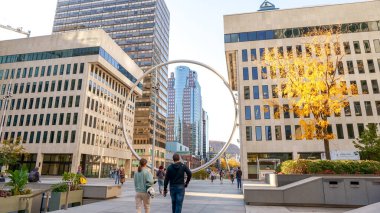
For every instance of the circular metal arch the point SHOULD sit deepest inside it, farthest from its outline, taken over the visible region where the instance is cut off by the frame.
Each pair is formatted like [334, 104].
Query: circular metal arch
[221, 152]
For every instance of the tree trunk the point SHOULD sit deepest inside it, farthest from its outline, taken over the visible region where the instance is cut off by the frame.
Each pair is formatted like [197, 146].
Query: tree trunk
[327, 149]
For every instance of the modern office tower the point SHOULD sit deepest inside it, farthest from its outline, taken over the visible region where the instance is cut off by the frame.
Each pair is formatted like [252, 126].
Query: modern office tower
[68, 93]
[205, 141]
[262, 135]
[185, 112]
[141, 29]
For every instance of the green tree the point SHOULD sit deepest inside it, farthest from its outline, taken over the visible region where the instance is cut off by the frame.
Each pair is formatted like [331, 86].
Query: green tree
[11, 152]
[369, 143]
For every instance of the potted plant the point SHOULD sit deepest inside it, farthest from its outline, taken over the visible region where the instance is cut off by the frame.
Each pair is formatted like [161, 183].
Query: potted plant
[10, 200]
[70, 184]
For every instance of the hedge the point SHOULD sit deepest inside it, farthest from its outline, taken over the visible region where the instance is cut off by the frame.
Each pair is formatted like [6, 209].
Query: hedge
[200, 175]
[329, 167]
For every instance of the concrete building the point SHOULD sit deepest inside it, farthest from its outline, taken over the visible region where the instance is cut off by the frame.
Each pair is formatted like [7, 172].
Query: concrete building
[185, 125]
[141, 29]
[68, 93]
[264, 136]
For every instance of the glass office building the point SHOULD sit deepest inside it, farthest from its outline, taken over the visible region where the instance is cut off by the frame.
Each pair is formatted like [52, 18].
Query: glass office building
[185, 123]
[141, 29]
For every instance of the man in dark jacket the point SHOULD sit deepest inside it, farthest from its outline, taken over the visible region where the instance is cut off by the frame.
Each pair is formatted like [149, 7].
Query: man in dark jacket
[239, 173]
[175, 176]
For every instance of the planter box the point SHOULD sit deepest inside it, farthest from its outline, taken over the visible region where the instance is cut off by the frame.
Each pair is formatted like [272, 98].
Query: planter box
[14, 204]
[58, 200]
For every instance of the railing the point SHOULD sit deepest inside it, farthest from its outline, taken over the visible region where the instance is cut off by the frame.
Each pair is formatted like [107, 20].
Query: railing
[46, 194]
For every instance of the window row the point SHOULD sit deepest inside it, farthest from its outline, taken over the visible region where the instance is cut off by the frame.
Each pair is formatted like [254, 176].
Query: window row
[99, 140]
[45, 102]
[41, 71]
[268, 133]
[102, 125]
[42, 136]
[276, 92]
[285, 111]
[47, 86]
[42, 119]
[301, 32]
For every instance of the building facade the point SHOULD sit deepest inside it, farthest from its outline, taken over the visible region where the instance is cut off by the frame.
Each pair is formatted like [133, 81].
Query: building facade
[68, 93]
[141, 29]
[205, 140]
[266, 136]
[185, 123]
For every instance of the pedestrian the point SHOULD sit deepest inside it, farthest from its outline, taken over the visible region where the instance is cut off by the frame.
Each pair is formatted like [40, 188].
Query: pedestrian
[221, 176]
[122, 175]
[117, 176]
[79, 170]
[212, 177]
[161, 177]
[34, 175]
[143, 180]
[239, 173]
[232, 176]
[175, 176]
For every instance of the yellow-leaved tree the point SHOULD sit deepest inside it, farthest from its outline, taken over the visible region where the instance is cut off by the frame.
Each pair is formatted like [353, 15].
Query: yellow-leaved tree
[311, 82]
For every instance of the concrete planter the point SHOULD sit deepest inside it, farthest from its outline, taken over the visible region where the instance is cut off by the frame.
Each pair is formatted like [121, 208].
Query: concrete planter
[58, 199]
[14, 204]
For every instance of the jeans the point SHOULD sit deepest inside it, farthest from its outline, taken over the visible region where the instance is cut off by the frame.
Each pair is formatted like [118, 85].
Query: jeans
[160, 185]
[177, 193]
[117, 179]
[238, 180]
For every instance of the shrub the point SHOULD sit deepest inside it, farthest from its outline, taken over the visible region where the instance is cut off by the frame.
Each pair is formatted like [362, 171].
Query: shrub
[329, 167]
[200, 175]
[18, 182]
[60, 187]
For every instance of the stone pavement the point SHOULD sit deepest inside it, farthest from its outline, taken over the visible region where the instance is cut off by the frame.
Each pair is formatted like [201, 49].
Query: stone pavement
[201, 197]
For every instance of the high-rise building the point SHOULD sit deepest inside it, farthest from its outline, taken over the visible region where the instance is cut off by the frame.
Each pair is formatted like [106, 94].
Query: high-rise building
[68, 93]
[266, 136]
[185, 112]
[141, 28]
[205, 140]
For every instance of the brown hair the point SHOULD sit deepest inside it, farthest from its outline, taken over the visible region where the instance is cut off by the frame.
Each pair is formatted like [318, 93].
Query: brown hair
[175, 157]
[143, 163]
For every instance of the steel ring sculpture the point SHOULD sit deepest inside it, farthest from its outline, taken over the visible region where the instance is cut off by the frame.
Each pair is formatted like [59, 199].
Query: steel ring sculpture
[221, 152]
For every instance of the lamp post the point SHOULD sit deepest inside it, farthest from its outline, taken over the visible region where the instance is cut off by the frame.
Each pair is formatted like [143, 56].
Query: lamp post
[155, 88]
[6, 100]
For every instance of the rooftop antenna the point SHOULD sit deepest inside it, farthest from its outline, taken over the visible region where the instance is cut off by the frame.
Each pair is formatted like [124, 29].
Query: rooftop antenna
[266, 5]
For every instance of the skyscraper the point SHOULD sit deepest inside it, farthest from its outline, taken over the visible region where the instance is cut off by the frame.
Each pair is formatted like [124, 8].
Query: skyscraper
[185, 112]
[141, 29]
[205, 141]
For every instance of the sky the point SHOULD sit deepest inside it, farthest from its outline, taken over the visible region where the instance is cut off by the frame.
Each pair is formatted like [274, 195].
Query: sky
[196, 33]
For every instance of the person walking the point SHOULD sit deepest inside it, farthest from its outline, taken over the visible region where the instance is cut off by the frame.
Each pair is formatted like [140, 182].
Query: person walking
[122, 175]
[232, 176]
[117, 176]
[239, 173]
[221, 176]
[175, 176]
[143, 179]
[161, 177]
[212, 176]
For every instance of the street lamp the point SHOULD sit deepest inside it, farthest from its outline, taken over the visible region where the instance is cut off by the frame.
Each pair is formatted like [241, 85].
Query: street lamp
[6, 98]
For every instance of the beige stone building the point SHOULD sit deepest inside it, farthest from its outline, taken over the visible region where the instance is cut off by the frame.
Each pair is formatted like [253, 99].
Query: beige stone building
[68, 92]
[265, 138]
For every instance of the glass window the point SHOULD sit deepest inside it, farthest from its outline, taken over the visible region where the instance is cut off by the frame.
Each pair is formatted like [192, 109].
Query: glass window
[24, 71]
[266, 112]
[31, 101]
[61, 117]
[248, 133]
[66, 137]
[36, 71]
[357, 47]
[286, 111]
[46, 86]
[358, 110]
[247, 113]
[256, 92]
[337, 48]
[37, 105]
[360, 128]
[30, 72]
[298, 132]
[227, 38]
[259, 133]
[340, 68]
[376, 43]
[66, 85]
[262, 53]
[354, 87]
[43, 104]
[375, 86]
[70, 101]
[75, 68]
[243, 37]
[253, 55]
[265, 92]
[347, 109]
[59, 86]
[63, 103]
[34, 87]
[371, 66]
[257, 112]
[339, 131]
[21, 123]
[55, 71]
[68, 68]
[377, 103]
[367, 46]
[264, 73]
[50, 104]
[77, 101]
[31, 137]
[15, 119]
[360, 66]
[75, 118]
[47, 120]
[278, 132]
[350, 67]
[347, 48]
[255, 73]
[79, 87]
[245, 73]
[72, 86]
[244, 55]
[368, 108]
[43, 71]
[274, 91]
[44, 137]
[288, 132]
[59, 136]
[247, 94]
[34, 120]
[51, 140]
[276, 112]
[364, 87]
[268, 133]
[41, 120]
[72, 138]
